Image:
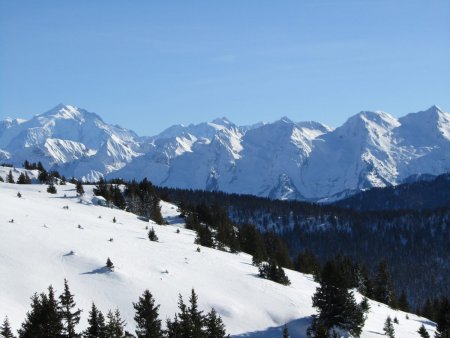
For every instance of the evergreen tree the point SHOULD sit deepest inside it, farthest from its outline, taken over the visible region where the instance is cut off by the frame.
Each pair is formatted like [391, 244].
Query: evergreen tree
[23, 179]
[364, 284]
[97, 327]
[43, 175]
[115, 326]
[181, 325]
[204, 237]
[423, 332]
[5, 329]
[10, 177]
[109, 264]
[307, 262]
[44, 319]
[147, 323]
[155, 211]
[214, 326]
[79, 188]
[285, 331]
[273, 272]
[427, 310]
[101, 189]
[152, 235]
[389, 328]
[403, 303]
[336, 305]
[69, 315]
[51, 189]
[252, 243]
[195, 316]
[443, 319]
[383, 285]
[117, 197]
[192, 221]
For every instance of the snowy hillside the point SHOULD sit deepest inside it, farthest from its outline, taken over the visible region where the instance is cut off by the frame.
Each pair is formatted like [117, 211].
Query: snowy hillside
[283, 159]
[44, 244]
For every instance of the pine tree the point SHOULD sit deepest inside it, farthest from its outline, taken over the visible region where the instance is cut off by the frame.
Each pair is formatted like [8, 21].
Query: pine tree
[423, 332]
[10, 177]
[44, 319]
[389, 328]
[152, 235]
[43, 175]
[147, 323]
[273, 272]
[115, 326]
[109, 265]
[51, 189]
[427, 310]
[5, 329]
[204, 237]
[383, 285]
[70, 317]
[22, 179]
[96, 321]
[307, 262]
[443, 319]
[214, 326]
[195, 316]
[79, 188]
[155, 211]
[181, 325]
[336, 304]
[285, 331]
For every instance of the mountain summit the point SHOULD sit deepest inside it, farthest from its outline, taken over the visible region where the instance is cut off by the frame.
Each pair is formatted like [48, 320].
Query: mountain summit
[283, 159]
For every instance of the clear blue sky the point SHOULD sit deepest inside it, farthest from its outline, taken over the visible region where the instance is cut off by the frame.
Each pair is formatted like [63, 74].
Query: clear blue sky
[149, 64]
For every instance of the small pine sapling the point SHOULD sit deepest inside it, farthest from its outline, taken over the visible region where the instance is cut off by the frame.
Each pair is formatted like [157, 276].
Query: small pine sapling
[109, 265]
[389, 328]
[152, 235]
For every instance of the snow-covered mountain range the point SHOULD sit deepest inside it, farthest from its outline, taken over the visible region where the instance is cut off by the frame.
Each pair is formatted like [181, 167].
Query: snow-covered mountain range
[48, 237]
[283, 159]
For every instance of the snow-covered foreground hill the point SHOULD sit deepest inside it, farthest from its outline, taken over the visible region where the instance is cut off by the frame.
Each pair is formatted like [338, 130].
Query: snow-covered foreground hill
[36, 251]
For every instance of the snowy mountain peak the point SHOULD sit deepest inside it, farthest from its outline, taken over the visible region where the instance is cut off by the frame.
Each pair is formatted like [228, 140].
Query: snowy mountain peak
[285, 119]
[314, 126]
[69, 112]
[223, 121]
[283, 159]
[376, 117]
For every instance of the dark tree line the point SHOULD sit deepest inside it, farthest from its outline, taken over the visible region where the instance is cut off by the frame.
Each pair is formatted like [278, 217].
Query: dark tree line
[138, 198]
[413, 243]
[58, 317]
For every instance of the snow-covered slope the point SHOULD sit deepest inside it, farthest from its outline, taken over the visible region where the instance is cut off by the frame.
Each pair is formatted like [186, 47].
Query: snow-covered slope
[44, 245]
[283, 159]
